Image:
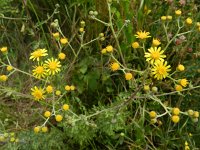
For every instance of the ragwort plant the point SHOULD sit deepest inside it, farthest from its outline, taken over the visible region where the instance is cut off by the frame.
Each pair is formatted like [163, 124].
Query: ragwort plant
[142, 111]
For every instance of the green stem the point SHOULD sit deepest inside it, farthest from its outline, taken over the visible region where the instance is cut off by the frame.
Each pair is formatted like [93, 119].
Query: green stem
[114, 34]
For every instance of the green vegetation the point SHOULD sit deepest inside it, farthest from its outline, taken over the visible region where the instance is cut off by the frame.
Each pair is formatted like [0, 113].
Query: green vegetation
[109, 74]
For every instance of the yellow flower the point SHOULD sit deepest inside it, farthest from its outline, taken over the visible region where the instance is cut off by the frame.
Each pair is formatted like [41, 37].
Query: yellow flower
[153, 121]
[4, 49]
[65, 107]
[175, 111]
[152, 114]
[188, 21]
[44, 129]
[183, 82]
[67, 88]
[181, 67]
[81, 30]
[39, 71]
[178, 88]
[190, 112]
[160, 70]
[64, 41]
[2, 138]
[12, 139]
[56, 35]
[3, 78]
[52, 66]
[128, 76]
[49, 89]
[154, 55]
[114, 66]
[135, 45]
[61, 56]
[196, 114]
[109, 48]
[178, 12]
[142, 35]
[58, 93]
[146, 88]
[37, 93]
[59, 118]
[38, 53]
[72, 87]
[37, 129]
[169, 17]
[187, 147]
[47, 114]
[103, 51]
[198, 24]
[156, 42]
[175, 118]
[9, 68]
[163, 18]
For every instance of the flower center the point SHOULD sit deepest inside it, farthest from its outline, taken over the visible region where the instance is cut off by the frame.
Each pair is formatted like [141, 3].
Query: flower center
[52, 65]
[142, 35]
[155, 55]
[37, 54]
[38, 94]
[39, 70]
[161, 70]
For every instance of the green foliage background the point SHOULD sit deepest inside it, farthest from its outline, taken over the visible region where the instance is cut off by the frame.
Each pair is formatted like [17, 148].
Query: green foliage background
[124, 128]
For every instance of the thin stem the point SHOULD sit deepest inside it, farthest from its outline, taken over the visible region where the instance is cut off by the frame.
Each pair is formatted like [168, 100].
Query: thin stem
[72, 50]
[165, 29]
[90, 42]
[106, 24]
[114, 34]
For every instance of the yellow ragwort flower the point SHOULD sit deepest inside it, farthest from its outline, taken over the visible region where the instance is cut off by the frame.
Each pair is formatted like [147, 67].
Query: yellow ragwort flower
[163, 18]
[109, 48]
[128, 76]
[44, 129]
[178, 12]
[154, 55]
[175, 118]
[178, 88]
[58, 118]
[156, 42]
[49, 89]
[64, 41]
[52, 66]
[9, 68]
[67, 88]
[181, 67]
[3, 78]
[103, 51]
[188, 21]
[58, 93]
[61, 56]
[142, 35]
[56, 35]
[39, 71]
[36, 129]
[183, 82]
[160, 70]
[72, 87]
[38, 53]
[169, 17]
[4, 49]
[114, 66]
[135, 45]
[65, 107]
[152, 114]
[38, 93]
